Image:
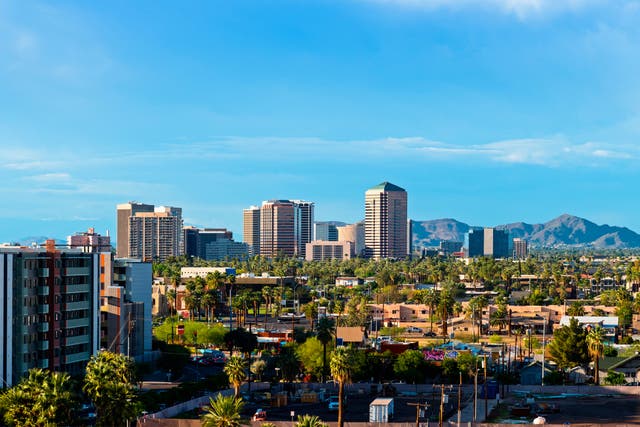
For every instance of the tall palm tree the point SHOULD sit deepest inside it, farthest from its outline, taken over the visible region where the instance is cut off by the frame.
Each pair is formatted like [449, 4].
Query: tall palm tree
[236, 370]
[325, 330]
[595, 338]
[224, 411]
[109, 383]
[309, 421]
[430, 298]
[341, 366]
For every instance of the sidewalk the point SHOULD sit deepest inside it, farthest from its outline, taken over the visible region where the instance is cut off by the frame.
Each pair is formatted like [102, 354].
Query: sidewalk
[466, 414]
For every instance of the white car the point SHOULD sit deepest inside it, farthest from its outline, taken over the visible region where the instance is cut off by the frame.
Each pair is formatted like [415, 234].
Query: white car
[413, 330]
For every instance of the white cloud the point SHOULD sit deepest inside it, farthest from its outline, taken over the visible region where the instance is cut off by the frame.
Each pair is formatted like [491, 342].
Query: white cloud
[520, 8]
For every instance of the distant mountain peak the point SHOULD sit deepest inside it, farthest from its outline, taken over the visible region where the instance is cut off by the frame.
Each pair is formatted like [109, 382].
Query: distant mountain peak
[565, 230]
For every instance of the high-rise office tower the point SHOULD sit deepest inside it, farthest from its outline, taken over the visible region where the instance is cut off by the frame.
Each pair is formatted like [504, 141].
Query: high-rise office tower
[305, 226]
[386, 221]
[151, 233]
[286, 226]
[50, 318]
[124, 211]
[251, 231]
[213, 244]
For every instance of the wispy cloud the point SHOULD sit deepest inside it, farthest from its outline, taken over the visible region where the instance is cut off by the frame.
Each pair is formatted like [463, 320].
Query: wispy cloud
[520, 8]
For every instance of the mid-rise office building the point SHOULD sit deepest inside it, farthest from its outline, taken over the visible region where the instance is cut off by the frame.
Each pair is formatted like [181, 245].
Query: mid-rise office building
[126, 304]
[488, 242]
[50, 317]
[320, 250]
[286, 226]
[449, 247]
[353, 233]
[327, 230]
[520, 248]
[213, 244]
[386, 221]
[251, 231]
[89, 241]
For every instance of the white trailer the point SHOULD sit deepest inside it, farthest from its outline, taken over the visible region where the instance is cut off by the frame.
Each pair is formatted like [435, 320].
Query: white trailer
[381, 410]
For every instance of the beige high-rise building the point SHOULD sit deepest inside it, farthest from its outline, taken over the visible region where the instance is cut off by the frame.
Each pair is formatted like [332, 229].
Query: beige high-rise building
[386, 221]
[151, 235]
[124, 211]
[286, 226]
[278, 233]
[520, 248]
[251, 230]
[353, 233]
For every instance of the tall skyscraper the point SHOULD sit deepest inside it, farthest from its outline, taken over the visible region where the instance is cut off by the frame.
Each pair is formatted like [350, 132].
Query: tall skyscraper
[213, 244]
[251, 232]
[286, 226]
[124, 211]
[305, 226]
[150, 233]
[386, 221]
[278, 231]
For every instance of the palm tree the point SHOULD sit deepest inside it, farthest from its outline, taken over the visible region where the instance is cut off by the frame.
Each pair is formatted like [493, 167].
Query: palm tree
[341, 366]
[224, 411]
[309, 421]
[236, 370]
[595, 338]
[109, 382]
[325, 330]
[430, 298]
[43, 398]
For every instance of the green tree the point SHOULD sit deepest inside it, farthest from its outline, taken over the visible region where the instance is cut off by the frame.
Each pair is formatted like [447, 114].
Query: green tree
[325, 331]
[614, 378]
[410, 366]
[569, 346]
[341, 372]
[110, 384]
[309, 421]
[310, 355]
[258, 367]
[576, 309]
[595, 339]
[43, 398]
[236, 370]
[224, 411]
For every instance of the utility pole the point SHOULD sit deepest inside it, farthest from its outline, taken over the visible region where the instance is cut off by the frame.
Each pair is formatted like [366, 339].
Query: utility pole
[418, 405]
[459, 398]
[441, 405]
[486, 390]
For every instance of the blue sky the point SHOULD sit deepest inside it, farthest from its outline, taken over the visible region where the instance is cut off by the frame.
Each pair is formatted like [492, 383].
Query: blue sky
[488, 111]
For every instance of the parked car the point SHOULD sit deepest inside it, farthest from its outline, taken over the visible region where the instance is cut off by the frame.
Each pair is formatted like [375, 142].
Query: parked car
[260, 415]
[413, 330]
[430, 334]
[333, 403]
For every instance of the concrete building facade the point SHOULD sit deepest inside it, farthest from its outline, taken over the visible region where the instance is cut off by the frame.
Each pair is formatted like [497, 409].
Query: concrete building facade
[386, 221]
[320, 250]
[50, 316]
[251, 229]
[123, 212]
[286, 226]
[353, 233]
[89, 241]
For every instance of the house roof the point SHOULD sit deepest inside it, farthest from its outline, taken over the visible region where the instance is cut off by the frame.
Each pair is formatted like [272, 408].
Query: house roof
[350, 334]
[606, 363]
[537, 364]
[630, 362]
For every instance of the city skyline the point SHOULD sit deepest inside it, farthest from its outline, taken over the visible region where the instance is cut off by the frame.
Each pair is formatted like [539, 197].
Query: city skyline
[526, 106]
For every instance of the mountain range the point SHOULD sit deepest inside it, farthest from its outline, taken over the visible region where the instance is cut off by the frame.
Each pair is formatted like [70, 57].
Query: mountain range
[565, 230]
